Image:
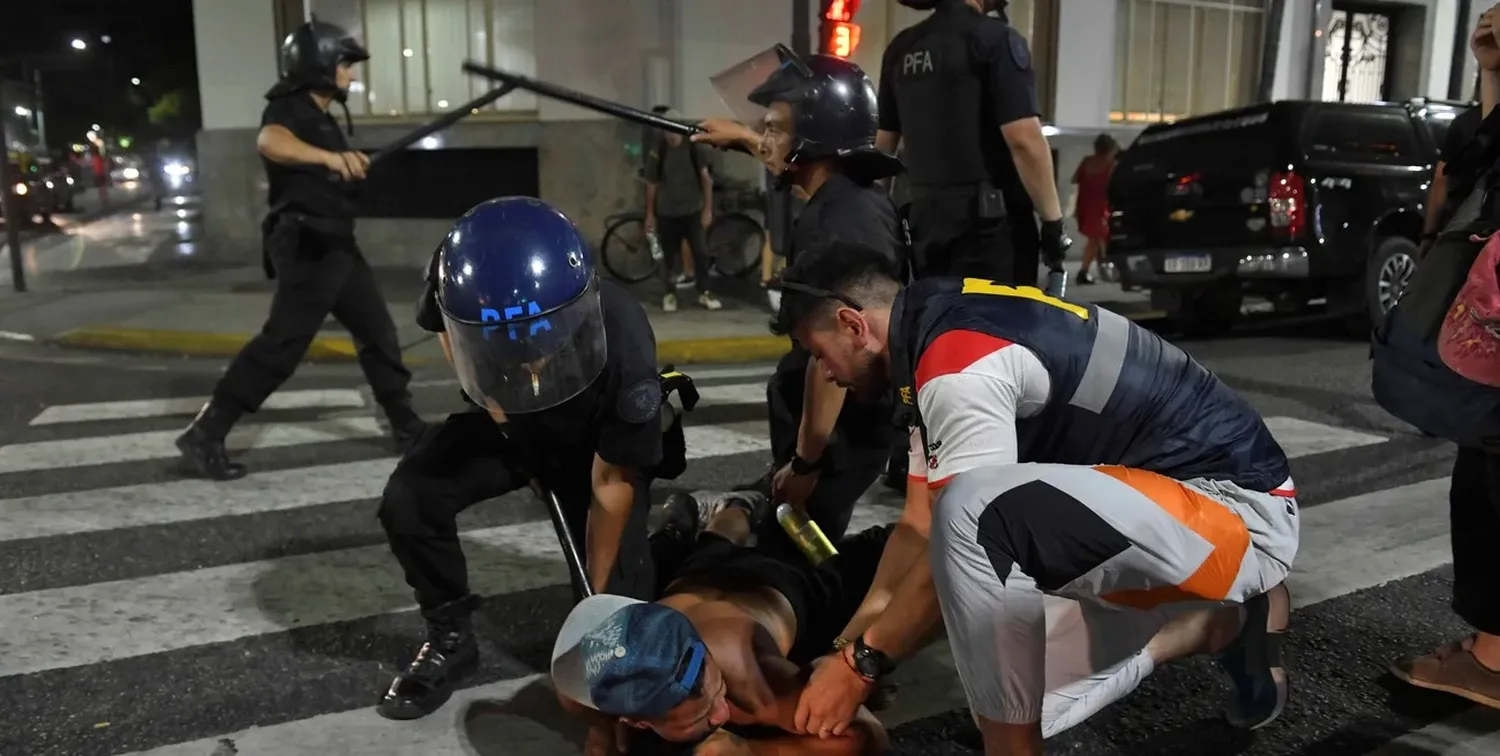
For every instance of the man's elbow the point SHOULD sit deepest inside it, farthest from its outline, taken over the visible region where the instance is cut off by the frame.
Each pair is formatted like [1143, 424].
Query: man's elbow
[1025, 137]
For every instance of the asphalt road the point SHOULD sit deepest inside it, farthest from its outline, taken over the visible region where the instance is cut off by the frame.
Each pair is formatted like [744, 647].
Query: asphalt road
[141, 611]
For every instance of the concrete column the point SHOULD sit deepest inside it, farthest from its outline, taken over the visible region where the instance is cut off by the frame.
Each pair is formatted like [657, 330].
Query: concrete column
[236, 65]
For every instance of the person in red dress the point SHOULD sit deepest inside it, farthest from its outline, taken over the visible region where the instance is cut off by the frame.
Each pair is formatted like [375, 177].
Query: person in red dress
[1092, 212]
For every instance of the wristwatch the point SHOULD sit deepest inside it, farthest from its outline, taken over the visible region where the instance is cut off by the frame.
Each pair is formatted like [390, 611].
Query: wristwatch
[801, 466]
[871, 664]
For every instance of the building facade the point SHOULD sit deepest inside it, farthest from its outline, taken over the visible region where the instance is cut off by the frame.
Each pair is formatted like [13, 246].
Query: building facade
[1110, 66]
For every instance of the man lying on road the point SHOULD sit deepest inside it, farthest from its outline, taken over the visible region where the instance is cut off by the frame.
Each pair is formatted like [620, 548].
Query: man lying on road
[712, 667]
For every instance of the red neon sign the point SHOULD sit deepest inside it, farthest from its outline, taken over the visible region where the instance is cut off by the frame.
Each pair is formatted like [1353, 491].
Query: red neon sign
[843, 39]
[840, 33]
[841, 10]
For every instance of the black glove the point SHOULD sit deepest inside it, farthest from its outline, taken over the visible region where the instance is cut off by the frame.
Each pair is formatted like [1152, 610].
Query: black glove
[1055, 243]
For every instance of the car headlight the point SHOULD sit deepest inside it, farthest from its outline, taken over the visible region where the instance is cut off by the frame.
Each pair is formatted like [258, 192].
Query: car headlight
[176, 169]
[131, 174]
[70, 181]
[22, 189]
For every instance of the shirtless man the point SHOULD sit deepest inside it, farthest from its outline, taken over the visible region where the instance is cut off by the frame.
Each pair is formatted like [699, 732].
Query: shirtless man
[713, 667]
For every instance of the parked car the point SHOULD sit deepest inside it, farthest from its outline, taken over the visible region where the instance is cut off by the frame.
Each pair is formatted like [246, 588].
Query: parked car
[1298, 202]
[40, 193]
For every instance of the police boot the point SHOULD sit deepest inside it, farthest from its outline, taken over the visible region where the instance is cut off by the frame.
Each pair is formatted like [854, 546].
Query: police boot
[895, 471]
[202, 444]
[406, 426]
[450, 654]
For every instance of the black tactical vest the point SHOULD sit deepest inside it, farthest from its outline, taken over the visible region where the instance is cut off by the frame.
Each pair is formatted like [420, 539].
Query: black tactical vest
[941, 82]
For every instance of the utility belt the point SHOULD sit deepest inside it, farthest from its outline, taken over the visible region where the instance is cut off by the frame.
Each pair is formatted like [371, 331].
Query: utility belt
[986, 200]
[284, 229]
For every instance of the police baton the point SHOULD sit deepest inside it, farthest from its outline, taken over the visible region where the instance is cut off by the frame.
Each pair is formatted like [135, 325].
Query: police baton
[565, 539]
[574, 97]
[436, 125]
[447, 119]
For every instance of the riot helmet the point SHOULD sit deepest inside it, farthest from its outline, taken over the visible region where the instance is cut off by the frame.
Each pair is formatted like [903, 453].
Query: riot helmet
[832, 104]
[311, 56]
[996, 7]
[519, 297]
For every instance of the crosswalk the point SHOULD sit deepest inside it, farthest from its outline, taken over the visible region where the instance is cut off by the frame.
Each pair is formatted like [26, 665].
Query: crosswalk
[142, 612]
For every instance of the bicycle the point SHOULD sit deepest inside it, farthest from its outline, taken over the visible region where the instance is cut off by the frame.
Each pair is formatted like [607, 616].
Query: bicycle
[734, 239]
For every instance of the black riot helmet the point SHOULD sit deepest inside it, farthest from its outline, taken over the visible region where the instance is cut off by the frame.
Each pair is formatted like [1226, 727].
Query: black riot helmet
[833, 104]
[311, 56]
[990, 6]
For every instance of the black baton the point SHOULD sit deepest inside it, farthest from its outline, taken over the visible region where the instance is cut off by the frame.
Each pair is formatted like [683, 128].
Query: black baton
[565, 539]
[436, 125]
[574, 97]
[446, 120]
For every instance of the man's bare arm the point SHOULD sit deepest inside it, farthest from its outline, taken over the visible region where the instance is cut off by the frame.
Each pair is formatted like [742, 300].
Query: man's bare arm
[1033, 158]
[865, 735]
[908, 541]
[278, 144]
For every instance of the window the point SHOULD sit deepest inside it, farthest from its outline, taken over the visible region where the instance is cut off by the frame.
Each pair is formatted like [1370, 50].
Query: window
[417, 48]
[1178, 58]
[1355, 61]
[1365, 135]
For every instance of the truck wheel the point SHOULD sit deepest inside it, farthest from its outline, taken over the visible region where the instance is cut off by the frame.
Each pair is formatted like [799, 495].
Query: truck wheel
[1387, 275]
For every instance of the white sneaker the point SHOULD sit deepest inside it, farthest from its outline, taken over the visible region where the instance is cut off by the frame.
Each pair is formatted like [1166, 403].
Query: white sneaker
[709, 301]
[669, 303]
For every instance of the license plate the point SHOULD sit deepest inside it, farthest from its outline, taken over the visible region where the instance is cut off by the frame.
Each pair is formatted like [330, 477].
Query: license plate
[1189, 264]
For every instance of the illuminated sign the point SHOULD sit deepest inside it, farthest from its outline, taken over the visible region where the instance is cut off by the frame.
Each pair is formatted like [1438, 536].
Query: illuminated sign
[843, 39]
[840, 33]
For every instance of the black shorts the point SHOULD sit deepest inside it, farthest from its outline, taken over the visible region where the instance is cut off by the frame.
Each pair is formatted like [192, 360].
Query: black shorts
[823, 598]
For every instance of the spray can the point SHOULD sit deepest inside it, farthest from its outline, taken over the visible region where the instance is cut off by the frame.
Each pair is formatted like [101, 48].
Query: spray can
[1057, 283]
[655, 245]
[806, 534]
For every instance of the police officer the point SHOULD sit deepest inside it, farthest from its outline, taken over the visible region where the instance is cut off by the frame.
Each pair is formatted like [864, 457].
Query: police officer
[559, 367]
[816, 120]
[947, 86]
[309, 248]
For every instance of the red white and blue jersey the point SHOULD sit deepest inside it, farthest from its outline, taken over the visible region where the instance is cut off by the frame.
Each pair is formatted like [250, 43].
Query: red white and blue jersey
[999, 375]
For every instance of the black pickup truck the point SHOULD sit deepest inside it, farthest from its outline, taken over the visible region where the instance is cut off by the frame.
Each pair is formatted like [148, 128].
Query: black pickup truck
[1297, 202]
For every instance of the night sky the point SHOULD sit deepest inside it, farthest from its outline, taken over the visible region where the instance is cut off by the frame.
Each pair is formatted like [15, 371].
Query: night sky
[149, 39]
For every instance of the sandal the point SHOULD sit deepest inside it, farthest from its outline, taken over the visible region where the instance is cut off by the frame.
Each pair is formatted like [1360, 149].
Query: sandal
[1452, 669]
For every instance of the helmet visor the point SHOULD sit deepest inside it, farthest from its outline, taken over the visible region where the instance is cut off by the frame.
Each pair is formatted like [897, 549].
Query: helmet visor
[747, 88]
[530, 362]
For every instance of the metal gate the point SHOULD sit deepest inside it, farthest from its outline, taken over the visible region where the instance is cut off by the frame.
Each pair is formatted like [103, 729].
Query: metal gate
[1356, 59]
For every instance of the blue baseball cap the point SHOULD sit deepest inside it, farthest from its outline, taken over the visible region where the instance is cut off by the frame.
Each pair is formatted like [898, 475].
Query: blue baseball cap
[627, 658]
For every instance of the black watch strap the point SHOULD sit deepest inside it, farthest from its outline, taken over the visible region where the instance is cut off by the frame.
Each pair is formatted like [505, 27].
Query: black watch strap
[801, 466]
[870, 663]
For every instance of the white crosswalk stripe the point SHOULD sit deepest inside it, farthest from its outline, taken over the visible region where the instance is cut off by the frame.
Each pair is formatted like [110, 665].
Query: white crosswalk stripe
[210, 602]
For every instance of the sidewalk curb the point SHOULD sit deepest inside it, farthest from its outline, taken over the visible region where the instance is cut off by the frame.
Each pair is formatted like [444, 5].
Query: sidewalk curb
[337, 349]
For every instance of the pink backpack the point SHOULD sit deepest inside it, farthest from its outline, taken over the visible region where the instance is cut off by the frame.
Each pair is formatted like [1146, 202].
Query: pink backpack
[1469, 342]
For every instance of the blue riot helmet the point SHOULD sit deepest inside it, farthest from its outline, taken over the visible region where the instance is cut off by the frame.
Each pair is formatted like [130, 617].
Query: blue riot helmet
[520, 301]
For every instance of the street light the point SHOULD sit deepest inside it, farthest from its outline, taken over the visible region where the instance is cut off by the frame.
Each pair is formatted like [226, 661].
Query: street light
[79, 44]
[135, 80]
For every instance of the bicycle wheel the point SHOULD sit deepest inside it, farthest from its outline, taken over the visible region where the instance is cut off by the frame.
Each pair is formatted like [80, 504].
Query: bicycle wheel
[734, 244]
[625, 252]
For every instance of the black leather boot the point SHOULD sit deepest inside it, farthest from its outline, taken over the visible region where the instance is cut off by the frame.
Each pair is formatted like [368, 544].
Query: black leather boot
[202, 444]
[450, 654]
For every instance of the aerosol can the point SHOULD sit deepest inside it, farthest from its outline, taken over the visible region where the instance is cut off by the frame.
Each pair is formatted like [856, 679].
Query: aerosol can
[655, 244]
[1057, 283]
[806, 534]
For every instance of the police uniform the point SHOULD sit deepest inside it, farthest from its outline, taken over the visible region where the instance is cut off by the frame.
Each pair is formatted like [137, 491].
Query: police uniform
[310, 250]
[947, 85]
[596, 390]
[833, 118]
